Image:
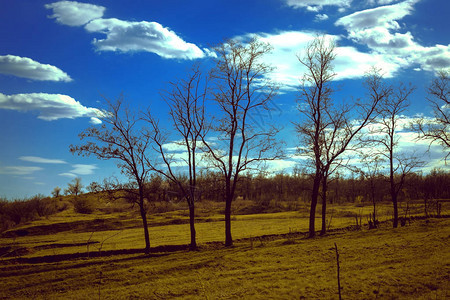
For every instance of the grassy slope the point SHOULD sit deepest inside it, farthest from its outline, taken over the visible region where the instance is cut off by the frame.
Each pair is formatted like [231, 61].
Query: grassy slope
[124, 230]
[408, 262]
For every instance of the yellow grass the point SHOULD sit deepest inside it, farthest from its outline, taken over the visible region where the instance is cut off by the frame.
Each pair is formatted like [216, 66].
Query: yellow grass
[403, 263]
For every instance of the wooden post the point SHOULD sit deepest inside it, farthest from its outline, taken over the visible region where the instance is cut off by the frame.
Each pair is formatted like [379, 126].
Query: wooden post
[338, 275]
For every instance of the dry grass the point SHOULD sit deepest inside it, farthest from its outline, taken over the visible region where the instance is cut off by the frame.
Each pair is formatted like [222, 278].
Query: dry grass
[408, 262]
[270, 258]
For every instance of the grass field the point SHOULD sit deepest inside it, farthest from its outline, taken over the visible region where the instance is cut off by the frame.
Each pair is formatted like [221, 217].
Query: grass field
[271, 258]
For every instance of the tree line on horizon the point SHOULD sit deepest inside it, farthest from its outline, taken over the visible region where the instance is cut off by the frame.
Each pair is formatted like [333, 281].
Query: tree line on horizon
[261, 193]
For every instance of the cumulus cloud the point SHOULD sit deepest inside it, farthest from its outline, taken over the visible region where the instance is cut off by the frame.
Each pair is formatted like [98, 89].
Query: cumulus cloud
[321, 17]
[27, 68]
[279, 165]
[176, 146]
[41, 160]
[125, 36]
[349, 63]
[378, 28]
[384, 16]
[142, 36]
[74, 13]
[317, 5]
[50, 106]
[18, 170]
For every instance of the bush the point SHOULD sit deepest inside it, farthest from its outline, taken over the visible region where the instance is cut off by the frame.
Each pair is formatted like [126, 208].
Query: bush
[13, 213]
[82, 205]
[43, 206]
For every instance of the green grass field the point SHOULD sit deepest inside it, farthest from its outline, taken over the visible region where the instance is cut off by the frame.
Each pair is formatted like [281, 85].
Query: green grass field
[272, 258]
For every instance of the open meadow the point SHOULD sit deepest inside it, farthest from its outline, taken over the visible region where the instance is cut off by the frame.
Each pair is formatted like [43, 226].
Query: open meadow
[99, 255]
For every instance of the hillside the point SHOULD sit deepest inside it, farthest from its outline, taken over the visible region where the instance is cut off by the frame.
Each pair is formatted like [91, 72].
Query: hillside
[76, 256]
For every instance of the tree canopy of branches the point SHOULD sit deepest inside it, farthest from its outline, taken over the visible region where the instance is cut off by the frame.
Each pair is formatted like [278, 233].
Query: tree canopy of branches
[120, 138]
[186, 101]
[240, 89]
[326, 129]
[56, 192]
[74, 187]
[437, 130]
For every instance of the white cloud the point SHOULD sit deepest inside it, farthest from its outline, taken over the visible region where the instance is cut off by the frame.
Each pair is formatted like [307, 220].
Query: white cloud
[19, 170]
[378, 29]
[126, 36]
[50, 106]
[349, 63]
[74, 13]
[142, 36]
[317, 5]
[80, 169]
[40, 160]
[27, 68]
[68, 175]
[321, 17]
[384, 16]
[176, 146]
[278, 165]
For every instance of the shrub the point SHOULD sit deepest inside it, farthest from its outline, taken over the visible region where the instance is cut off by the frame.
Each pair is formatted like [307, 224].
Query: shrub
[82, 205]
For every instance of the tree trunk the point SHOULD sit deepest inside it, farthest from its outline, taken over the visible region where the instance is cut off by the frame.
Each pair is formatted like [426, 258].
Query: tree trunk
[392, 182]
[324, 206]
[228, 238]
[374, 207]
[394, 201]
[144, 223]
[193, 245]
[312, 212]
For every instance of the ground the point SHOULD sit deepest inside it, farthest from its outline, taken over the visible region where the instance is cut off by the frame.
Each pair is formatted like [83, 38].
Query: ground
[271, 259]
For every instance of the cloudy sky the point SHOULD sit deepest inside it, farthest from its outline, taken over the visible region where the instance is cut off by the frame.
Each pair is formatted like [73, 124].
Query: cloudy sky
[59, 59]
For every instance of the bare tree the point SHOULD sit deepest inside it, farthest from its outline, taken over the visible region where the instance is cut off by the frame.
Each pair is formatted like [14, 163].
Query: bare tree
[437, 130]
[240, 89]
[385, 133]
[74, 187]
[371, 172]
[186, 102]
[121, 139]
[326, 129]
[94, 187]
[56, 192]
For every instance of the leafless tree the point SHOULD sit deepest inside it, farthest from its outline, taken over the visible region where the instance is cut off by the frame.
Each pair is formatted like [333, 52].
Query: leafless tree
[186, 100]
[240, 88]
[326, 129]
[437, 129]
[120, 138]
[385, 133]
[56, 192]
[74, 187]
[371, 170]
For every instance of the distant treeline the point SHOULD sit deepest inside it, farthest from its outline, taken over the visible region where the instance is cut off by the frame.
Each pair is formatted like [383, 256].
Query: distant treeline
[263, 191]
[297, 187]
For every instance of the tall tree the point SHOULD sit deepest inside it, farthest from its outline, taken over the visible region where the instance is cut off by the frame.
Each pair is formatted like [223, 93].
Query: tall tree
[327, 129]
[385, 133]
[120, 138]
[240, 89]
[437, 129]
[186, 100]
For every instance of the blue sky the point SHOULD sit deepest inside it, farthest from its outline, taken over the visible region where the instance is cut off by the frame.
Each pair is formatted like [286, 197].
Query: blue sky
[58, 59]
